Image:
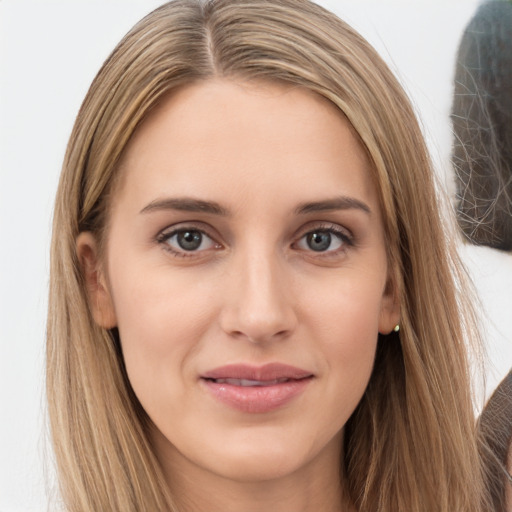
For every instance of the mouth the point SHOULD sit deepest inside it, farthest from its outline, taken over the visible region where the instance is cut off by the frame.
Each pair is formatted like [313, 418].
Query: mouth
[252, 389]
[252, 383]
[271, 372]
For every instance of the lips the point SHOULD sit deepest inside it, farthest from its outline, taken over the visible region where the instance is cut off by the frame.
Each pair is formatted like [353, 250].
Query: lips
[256, 389]
[268, 372]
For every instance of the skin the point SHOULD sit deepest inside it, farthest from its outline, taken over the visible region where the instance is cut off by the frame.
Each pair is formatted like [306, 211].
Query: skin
[254, 291]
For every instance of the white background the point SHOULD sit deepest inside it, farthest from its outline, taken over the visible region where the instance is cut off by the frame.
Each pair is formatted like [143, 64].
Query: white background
[49, 53]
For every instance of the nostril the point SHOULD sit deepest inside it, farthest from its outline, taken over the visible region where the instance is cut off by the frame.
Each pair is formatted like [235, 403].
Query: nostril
[264, 337]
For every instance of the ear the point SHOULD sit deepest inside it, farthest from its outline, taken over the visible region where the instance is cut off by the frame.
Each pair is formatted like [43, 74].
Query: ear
[98, 293]
[390, 308]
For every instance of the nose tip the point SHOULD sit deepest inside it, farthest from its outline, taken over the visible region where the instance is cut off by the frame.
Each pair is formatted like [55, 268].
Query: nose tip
[258, 306]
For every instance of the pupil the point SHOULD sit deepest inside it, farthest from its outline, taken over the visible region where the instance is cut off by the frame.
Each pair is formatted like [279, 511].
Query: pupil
[189, 240]
[319, 241]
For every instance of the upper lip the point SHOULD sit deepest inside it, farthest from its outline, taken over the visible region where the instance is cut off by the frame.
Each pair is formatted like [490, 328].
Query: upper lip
[267, 372]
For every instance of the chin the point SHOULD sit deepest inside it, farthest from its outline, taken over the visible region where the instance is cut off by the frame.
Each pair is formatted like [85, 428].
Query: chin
[269, 455]
[261, 467]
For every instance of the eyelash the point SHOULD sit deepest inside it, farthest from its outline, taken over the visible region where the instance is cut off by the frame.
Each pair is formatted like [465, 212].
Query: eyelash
[346, 239]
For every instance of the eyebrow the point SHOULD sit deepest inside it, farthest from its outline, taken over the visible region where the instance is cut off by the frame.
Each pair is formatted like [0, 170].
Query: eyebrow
[185, 204]
[336, 203]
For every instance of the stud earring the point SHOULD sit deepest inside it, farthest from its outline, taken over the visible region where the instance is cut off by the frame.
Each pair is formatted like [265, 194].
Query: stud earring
[397, 328]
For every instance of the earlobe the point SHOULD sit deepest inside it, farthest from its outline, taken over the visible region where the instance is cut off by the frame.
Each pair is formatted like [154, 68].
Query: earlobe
[98, 293]
[390, 309]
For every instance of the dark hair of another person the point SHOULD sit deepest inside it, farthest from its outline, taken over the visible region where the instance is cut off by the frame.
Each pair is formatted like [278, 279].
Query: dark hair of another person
[482, 123]
[496, 427]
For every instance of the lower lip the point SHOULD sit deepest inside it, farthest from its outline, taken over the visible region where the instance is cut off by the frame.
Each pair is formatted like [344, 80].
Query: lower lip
[257, 399]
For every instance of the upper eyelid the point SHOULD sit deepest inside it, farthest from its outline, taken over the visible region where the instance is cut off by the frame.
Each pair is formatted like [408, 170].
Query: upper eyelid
[183, 226]
[324, 226]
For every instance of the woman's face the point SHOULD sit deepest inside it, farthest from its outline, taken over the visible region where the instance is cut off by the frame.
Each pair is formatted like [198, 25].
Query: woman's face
[246, 270]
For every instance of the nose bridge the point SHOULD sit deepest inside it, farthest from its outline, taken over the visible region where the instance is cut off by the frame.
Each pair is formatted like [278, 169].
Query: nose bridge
[259, 307]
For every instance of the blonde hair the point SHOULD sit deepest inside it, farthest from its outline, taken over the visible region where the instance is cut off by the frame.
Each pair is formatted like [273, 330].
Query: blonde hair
[410, 445]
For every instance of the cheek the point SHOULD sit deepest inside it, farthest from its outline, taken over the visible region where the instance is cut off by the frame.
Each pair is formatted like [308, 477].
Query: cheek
[347, 308]
[344, 323]
[161, 325]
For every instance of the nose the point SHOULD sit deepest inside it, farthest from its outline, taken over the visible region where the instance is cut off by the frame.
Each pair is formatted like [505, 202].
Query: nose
[258, 303]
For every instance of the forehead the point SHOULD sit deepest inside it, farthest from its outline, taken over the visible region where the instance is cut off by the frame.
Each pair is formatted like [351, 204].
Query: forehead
[225, 136]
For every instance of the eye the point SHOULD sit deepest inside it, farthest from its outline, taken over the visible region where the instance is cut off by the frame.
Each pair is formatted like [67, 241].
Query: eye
[186, 240]
[324, 240]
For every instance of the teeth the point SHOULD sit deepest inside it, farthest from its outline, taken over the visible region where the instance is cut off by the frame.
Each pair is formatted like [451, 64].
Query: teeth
[248, 382]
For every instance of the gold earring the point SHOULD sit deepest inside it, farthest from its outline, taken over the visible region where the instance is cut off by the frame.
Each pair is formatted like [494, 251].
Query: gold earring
[397, 328]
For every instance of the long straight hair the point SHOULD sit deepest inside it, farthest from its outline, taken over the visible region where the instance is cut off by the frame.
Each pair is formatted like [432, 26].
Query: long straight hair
[410, 445]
